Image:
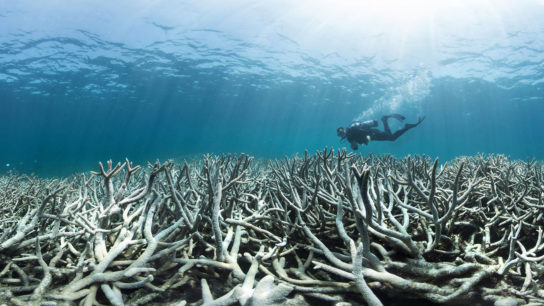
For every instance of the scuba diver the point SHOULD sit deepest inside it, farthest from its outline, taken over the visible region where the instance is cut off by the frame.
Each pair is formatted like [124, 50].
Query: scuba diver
[364, 132]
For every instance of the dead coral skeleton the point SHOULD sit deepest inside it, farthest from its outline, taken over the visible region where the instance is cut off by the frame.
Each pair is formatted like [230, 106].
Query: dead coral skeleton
[325, 226]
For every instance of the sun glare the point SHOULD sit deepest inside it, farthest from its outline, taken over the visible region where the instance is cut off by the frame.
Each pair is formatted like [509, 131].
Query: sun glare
[393, 11]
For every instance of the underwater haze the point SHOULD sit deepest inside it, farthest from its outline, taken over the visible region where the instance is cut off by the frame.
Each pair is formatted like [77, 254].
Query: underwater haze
[88, 81]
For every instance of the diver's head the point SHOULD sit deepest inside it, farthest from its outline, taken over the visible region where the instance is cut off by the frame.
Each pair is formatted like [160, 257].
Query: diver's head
[341, 132]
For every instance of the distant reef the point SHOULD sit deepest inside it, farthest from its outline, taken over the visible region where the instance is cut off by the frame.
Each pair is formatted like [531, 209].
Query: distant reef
[328, 228]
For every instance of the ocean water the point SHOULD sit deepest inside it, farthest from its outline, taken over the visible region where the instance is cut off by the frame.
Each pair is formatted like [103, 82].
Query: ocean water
[88, 81]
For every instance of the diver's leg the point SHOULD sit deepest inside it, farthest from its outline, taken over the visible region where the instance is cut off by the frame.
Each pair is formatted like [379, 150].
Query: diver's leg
[386, 128]
[406, 127]
[400, 132]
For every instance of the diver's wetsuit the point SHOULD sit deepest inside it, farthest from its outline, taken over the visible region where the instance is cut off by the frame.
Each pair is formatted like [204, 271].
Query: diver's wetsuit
[363, 132]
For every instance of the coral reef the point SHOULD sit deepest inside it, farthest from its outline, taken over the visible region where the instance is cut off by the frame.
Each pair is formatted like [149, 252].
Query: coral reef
[330, 227]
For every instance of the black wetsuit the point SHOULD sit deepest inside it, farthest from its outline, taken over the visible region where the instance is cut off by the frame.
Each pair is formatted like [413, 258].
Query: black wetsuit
[363, 132]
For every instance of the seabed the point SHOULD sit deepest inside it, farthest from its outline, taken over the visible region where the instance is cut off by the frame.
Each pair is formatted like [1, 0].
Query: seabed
[330, 228]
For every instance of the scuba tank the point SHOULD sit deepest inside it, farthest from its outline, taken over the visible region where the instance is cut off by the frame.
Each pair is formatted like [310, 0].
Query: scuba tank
[365, 124]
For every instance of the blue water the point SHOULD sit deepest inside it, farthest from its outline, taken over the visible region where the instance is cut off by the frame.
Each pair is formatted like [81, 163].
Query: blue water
[84, 81]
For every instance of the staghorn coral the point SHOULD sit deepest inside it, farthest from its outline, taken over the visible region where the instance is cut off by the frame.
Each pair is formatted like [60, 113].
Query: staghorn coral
[331, 227]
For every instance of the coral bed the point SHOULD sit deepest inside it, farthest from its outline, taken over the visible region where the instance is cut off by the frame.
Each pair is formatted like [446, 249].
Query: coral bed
[325, 228]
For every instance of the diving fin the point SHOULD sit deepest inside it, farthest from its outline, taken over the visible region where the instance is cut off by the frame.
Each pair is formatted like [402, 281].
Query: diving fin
[399, 117]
